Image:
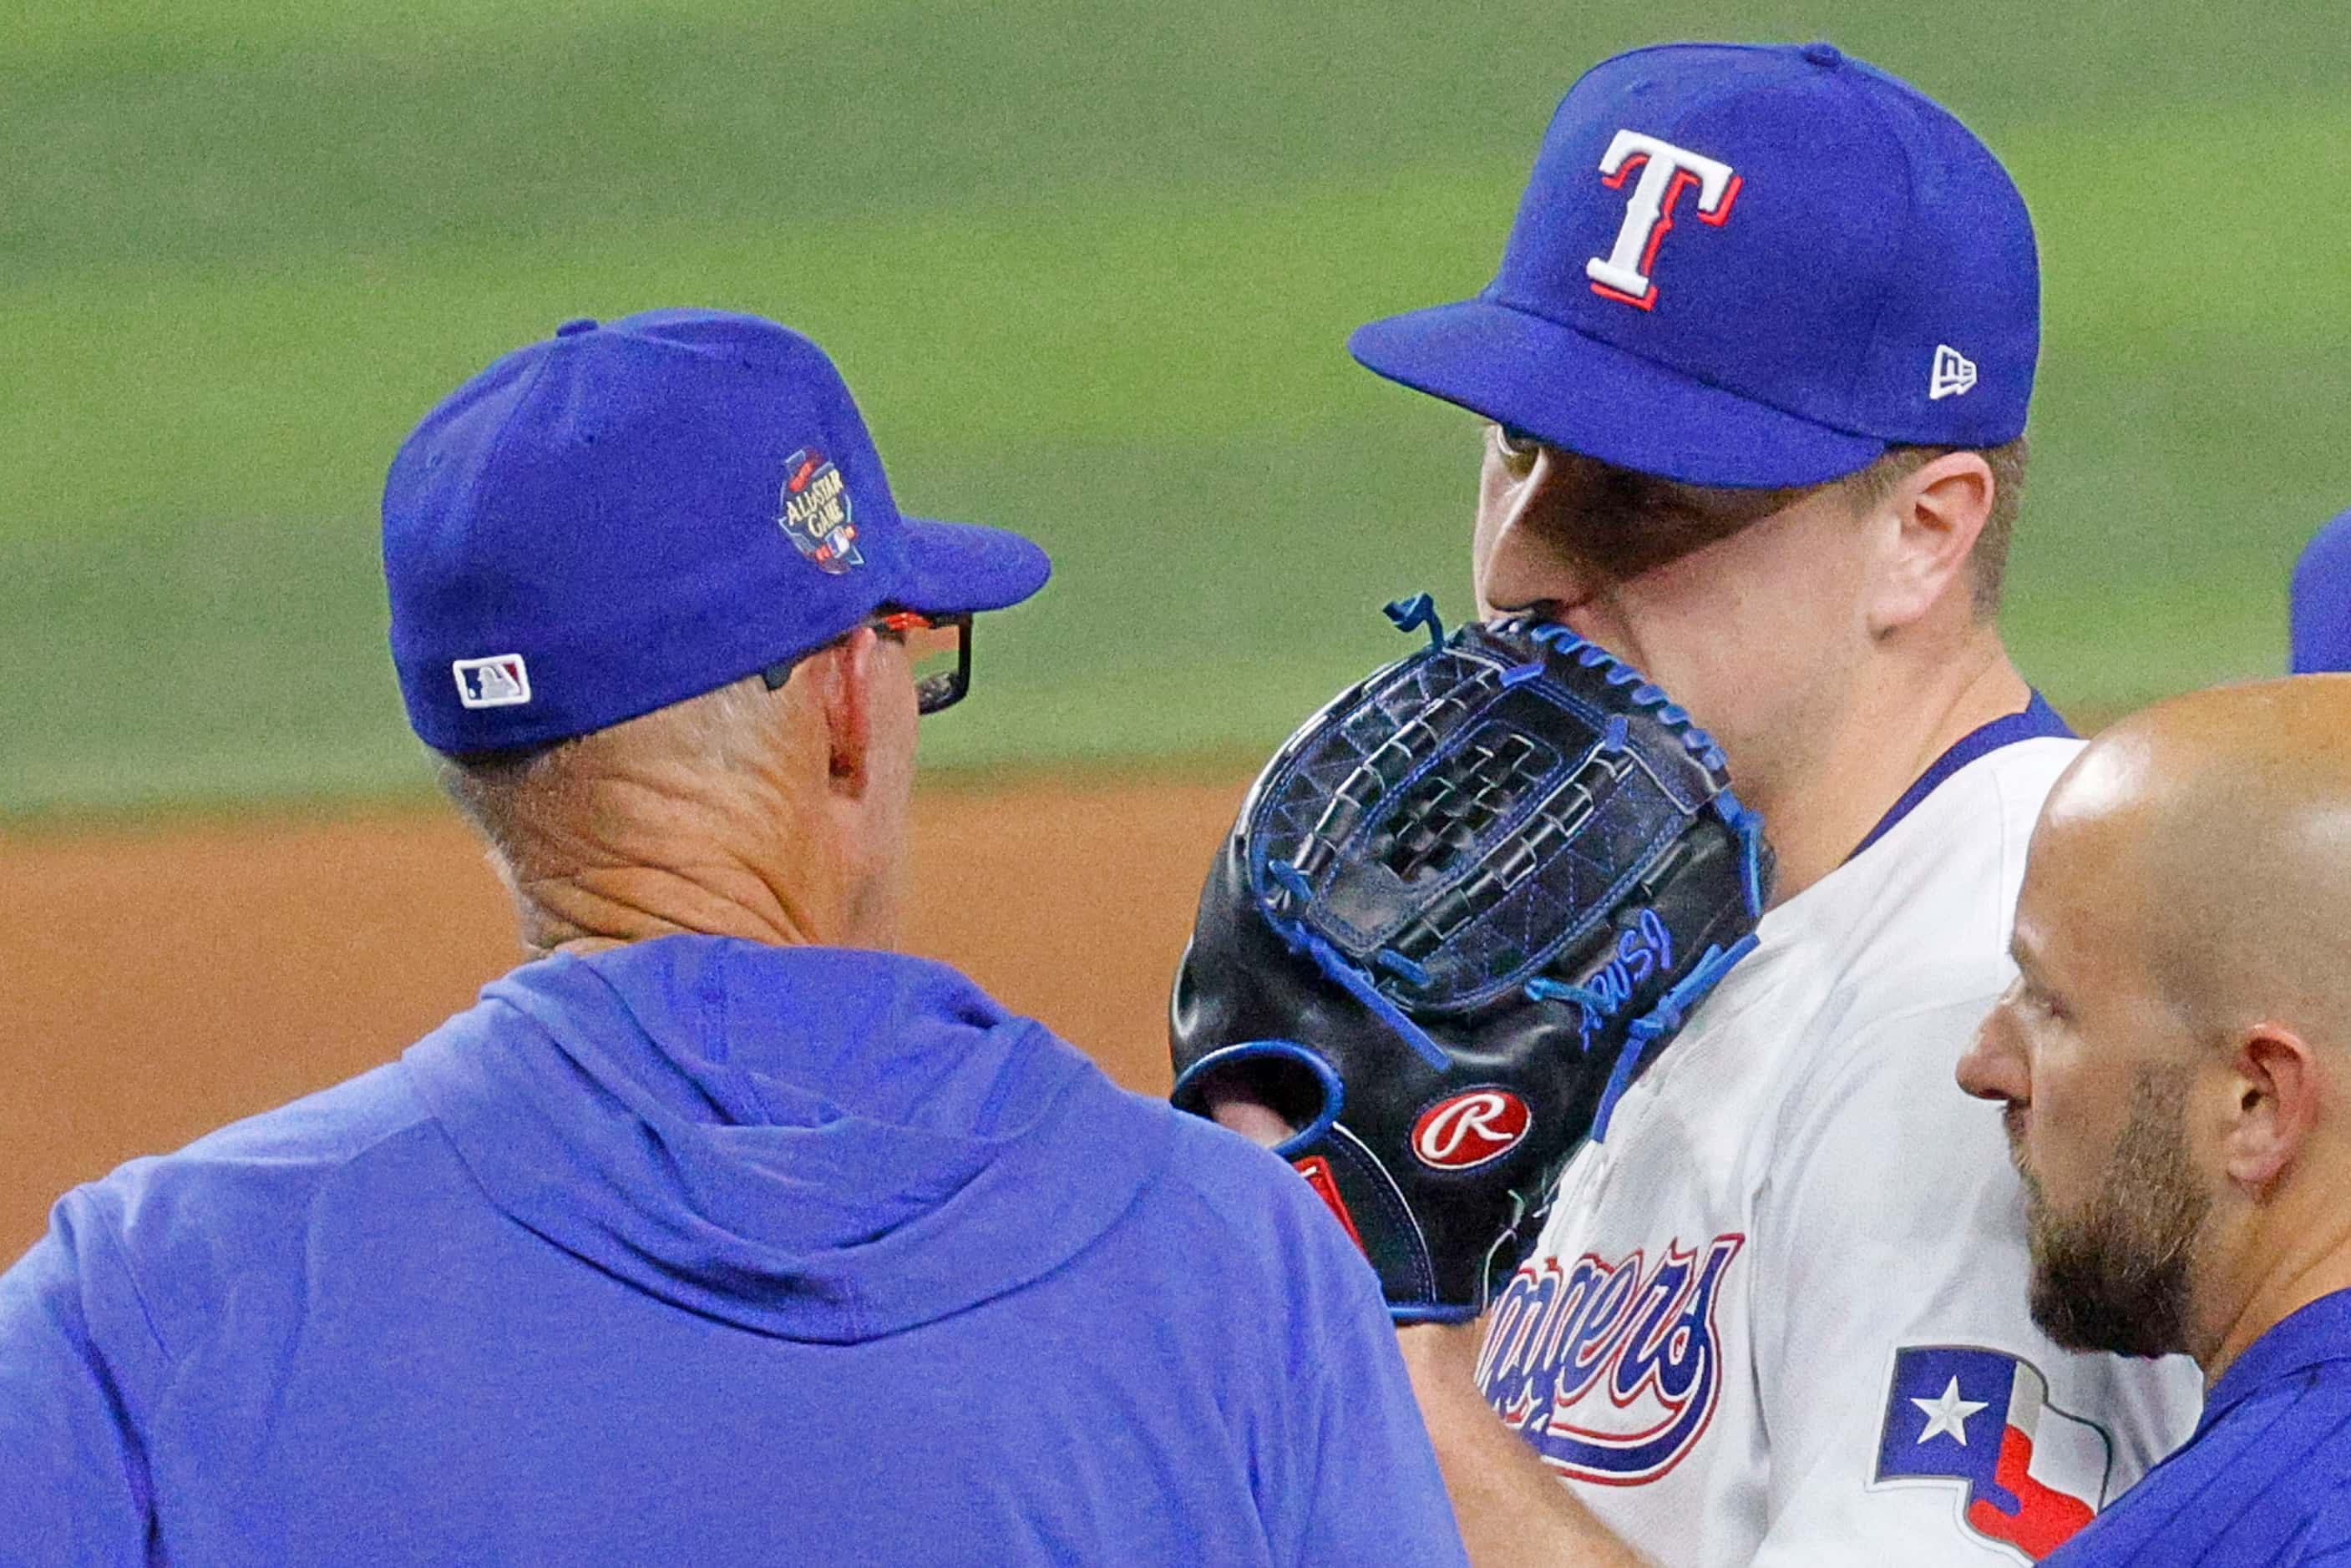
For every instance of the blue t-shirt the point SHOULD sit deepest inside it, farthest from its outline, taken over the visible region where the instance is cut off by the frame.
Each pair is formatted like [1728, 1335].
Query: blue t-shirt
[2267, 1477]
[698, 1252]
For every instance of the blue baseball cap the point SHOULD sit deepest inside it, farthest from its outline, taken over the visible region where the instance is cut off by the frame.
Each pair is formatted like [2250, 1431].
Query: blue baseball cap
[637, 512]
[1745, 265]
[2321, 602]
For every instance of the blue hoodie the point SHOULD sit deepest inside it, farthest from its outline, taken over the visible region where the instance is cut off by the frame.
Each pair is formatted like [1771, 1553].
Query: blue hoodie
[699, 1252]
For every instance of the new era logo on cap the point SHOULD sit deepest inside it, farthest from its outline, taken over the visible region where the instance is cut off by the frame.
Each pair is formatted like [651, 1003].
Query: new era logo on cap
[501, 681]
[1953, 373]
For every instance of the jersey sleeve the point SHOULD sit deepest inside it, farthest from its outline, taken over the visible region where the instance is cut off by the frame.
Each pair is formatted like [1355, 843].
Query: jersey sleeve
[77, 1357]
[1915, 1414]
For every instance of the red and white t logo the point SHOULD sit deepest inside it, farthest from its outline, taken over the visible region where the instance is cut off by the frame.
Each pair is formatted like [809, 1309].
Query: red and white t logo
[1665, 172]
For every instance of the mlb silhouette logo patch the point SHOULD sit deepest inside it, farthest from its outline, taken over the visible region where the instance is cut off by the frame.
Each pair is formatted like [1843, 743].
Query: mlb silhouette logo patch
[501, 681]
[1953, 373]
[2028, 1474]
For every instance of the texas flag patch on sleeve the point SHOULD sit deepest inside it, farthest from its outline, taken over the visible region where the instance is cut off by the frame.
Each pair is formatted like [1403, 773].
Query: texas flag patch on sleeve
[2028, 1474]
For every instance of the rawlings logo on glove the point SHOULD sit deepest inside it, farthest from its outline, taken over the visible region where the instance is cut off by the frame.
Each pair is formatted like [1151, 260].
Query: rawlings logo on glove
[1468, 1130]
[1463, 909]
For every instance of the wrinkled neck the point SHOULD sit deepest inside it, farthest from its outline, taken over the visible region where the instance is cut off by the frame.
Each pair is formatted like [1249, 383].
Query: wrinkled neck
[604, 907]
[624, 871]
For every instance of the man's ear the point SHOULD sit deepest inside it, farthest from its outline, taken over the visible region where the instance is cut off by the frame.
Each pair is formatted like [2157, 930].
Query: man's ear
[2274, 1078]
[844, 675]
[1938, 512]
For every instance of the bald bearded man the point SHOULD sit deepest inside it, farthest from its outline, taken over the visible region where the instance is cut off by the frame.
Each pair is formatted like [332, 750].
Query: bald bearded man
[2175, 1061]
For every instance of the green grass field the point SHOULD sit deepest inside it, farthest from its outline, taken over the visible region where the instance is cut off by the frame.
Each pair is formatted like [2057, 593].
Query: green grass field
[1089, 269]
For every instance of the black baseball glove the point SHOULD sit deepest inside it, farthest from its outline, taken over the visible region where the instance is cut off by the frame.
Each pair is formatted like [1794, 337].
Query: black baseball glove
[1463, 908]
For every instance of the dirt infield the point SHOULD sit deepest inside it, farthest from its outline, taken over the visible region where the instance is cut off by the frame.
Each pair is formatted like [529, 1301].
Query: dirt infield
[156, 983]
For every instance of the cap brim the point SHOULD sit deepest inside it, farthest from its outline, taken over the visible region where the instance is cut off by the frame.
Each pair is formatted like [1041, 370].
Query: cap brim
[1589, 397]
[958, 568]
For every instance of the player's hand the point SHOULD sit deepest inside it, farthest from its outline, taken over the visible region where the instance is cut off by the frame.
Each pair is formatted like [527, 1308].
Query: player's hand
[1230, 1107]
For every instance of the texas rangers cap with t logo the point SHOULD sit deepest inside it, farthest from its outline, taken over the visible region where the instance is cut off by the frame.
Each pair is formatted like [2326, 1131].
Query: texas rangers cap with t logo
[1745, 265]
[631, 513]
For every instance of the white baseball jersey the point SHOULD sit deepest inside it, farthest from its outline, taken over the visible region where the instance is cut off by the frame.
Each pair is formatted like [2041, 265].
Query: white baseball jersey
[1779, 1316]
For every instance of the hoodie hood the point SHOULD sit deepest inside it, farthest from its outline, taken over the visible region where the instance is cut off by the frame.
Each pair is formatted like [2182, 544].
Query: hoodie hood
[813, 1143]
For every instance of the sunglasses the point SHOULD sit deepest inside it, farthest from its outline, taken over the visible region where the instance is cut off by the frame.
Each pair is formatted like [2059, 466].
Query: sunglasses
[937, 646]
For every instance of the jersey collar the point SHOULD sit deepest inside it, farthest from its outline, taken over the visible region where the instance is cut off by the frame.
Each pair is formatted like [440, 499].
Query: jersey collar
[2305, 1337]
[2037, 722]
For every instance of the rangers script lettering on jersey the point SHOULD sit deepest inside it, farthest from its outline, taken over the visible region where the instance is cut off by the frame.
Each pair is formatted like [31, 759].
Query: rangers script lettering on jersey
[1777, 1317]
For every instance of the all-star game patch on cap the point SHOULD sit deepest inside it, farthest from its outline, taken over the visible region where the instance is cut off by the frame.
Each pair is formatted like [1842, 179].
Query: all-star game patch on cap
[634, 512]
[1745, 265]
